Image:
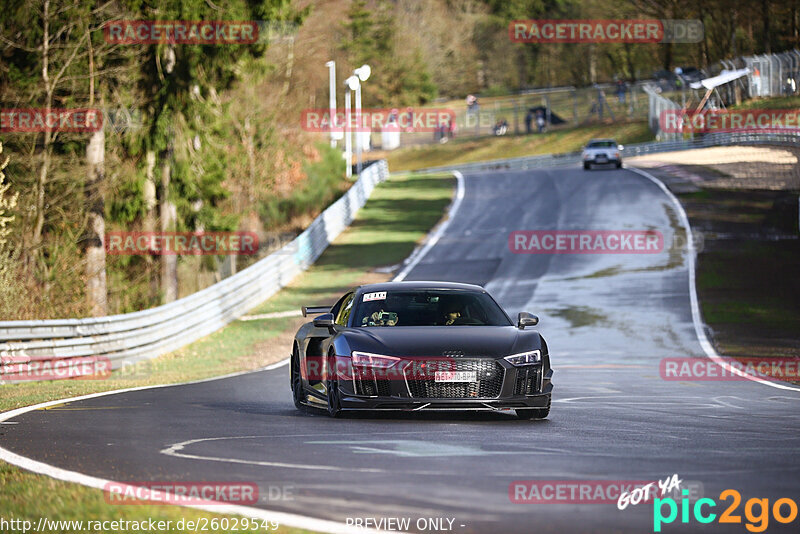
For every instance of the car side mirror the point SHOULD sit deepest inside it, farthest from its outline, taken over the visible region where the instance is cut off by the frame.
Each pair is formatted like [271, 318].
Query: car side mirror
[620, 147]
[526, 319]
[324, 321]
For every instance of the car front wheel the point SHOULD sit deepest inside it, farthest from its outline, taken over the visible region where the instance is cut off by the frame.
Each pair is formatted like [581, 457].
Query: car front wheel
[586, 166]
[334, 401]
[334, 405]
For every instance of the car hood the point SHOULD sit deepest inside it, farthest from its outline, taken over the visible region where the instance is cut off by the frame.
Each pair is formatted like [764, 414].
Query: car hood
[493, 341]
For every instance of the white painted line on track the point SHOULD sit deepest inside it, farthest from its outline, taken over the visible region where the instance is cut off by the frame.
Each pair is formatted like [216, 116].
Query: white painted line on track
[705, 344]
[283, 518]
[434, 238]
[177, 450]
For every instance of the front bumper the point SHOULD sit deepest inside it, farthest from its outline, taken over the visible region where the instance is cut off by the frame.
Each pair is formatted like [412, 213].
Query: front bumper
[600, 160]
[500, 386]
[490, 405]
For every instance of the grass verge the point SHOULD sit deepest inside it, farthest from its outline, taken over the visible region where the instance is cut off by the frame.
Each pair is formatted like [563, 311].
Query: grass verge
[394, 220]
[747, 279]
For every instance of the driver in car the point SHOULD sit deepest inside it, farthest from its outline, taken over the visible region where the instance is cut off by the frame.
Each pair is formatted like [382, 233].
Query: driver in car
[452, 313]
[382, 318]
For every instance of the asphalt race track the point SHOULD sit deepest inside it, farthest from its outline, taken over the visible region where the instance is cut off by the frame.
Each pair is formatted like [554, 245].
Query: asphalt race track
[608, 318]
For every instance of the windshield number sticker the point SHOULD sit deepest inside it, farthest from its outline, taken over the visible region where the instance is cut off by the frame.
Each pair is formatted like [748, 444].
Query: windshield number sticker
[379, 295]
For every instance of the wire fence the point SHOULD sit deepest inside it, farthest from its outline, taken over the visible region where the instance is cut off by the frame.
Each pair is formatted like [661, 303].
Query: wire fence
[537, 111]
[771, 75]
[565, 107]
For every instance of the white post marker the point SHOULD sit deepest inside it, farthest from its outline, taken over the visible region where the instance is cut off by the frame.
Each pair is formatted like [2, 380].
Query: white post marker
[348, 138]
[362, 75]
[332, 99]
[359, 126]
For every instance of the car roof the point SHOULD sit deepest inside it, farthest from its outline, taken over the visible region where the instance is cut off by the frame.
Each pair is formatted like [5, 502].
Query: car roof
[389, 286]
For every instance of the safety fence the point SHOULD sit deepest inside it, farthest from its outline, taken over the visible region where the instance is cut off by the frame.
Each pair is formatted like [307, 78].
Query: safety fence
[771, 74]
[789, 139]
[557, 107]
[130, 337]
[657, 105]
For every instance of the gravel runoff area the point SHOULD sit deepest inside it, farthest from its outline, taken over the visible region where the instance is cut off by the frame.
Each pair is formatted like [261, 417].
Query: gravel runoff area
[739, 167]
[742, 203]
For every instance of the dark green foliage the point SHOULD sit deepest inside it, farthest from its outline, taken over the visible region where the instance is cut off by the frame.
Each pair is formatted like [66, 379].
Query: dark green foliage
[322, 186]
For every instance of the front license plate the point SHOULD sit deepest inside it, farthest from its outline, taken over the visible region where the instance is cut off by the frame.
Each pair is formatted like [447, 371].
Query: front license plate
[455, 376]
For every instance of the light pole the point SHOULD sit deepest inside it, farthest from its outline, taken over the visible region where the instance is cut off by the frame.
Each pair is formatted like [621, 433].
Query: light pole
[332, 99]
[351, 84]
[362, 75]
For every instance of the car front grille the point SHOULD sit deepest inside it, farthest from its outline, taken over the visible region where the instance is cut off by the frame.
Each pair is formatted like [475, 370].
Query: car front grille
[371, 386]
[490, 379]
[527, 382]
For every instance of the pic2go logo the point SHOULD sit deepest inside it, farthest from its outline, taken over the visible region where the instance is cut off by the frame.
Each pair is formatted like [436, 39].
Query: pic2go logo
[758, 522]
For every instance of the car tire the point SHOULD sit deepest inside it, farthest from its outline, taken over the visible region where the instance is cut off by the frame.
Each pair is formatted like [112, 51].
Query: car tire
[587, 166]
[619, 164]
[334, 401]
[334, 404]
[296, 381]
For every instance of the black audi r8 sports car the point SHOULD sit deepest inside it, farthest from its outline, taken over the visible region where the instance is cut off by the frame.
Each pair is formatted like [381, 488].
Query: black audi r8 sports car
[420, 346]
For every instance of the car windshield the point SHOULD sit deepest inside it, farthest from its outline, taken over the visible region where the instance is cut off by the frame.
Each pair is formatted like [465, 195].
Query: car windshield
[601, 144]
[428, 307]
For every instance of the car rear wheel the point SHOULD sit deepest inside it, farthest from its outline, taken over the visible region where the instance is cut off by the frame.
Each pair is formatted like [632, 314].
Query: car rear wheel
[298, 394]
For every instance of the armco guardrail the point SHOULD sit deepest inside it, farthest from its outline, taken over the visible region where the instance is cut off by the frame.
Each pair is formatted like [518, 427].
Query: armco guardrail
[146, 334]
[548, 160]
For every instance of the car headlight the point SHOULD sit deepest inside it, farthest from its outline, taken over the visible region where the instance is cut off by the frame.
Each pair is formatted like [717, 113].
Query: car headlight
[379, 361]
[525, 358]
[616, 154]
